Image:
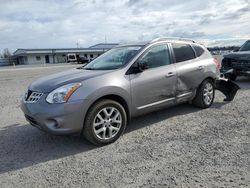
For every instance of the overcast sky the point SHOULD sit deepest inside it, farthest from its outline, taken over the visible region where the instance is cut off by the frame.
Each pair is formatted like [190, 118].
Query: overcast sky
[61, 23]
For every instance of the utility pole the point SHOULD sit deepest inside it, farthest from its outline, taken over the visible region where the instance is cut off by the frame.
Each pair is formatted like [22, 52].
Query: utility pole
[77, 44]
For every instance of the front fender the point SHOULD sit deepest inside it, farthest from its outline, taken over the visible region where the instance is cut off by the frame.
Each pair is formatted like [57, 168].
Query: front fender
[110, 90]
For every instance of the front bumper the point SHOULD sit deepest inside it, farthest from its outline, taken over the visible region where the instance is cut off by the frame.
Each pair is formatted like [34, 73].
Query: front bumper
[59, 119]
[238, 72]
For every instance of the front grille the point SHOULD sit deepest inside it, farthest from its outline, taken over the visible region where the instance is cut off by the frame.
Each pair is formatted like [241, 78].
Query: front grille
[241, 63]
[32, 96]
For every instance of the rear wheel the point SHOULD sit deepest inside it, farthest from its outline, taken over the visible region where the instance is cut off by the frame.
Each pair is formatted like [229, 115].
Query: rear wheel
[105, 122]
[205, 94]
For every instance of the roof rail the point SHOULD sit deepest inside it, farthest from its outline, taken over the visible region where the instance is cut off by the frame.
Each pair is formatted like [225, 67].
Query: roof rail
[172, 38]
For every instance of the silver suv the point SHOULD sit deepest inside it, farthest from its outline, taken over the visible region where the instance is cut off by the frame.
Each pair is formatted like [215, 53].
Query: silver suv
[99, 99]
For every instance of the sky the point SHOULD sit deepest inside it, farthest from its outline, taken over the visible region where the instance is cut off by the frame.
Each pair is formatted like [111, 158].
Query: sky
[66, 23]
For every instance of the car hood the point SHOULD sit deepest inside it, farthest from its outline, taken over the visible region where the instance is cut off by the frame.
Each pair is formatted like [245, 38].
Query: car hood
[49, 83]
[244, 55]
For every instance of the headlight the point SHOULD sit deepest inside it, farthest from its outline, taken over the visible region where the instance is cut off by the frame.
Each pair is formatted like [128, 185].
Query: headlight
[62, 94]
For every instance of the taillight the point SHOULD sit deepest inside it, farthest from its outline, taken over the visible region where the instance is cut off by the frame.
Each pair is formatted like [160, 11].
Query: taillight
[217, 63]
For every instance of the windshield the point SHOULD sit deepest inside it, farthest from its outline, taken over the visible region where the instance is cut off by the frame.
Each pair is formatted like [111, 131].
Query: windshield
[245, 47]
[114, 58]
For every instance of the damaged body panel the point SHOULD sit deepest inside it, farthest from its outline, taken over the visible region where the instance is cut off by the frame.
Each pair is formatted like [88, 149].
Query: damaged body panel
[227, 87]
[237, 63]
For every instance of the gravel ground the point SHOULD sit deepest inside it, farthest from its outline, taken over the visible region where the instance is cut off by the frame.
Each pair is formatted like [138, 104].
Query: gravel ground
[181, 146]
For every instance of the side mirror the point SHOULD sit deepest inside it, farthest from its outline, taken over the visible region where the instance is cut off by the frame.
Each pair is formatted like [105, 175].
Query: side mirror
[138, 67]
[236, 49]
[143, 65]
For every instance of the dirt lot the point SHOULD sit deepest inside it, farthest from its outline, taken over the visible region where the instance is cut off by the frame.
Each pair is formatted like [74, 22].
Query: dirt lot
[181, 146]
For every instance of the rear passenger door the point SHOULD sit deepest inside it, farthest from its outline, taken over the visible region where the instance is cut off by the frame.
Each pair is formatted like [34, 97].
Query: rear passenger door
[190, 72]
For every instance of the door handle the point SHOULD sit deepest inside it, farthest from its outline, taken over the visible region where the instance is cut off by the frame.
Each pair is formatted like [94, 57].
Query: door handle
[170, 74]
[200, 68]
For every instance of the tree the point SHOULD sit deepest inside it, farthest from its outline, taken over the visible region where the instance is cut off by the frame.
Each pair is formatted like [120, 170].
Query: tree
[6, 53]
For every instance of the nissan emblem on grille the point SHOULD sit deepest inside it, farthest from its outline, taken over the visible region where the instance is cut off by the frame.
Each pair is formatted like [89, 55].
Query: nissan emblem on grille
[34, 97]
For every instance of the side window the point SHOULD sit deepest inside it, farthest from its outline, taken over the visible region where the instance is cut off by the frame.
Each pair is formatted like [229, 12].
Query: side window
[199, 50]
[183, 52]
[157, 56]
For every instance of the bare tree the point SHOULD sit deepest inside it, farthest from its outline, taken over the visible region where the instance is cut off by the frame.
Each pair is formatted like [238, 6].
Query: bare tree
[6, 53]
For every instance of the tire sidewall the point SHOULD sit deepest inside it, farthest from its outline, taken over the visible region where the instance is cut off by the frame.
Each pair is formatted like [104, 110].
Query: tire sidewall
[202, 90]
[93, 112]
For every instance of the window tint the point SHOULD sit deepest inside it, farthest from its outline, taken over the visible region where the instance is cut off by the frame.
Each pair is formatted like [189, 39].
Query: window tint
[199, 50]
[157, 56]
[183, 52]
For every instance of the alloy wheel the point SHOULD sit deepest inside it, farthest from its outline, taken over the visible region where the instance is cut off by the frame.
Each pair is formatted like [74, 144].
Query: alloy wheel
[107, 123]
[208, 93]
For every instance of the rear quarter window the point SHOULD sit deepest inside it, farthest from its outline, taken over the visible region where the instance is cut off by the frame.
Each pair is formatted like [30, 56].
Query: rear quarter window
[183, 52]
[199, 50]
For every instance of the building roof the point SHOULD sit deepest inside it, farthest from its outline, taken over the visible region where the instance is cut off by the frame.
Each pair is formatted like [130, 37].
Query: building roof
[104, 46]
[96, 48]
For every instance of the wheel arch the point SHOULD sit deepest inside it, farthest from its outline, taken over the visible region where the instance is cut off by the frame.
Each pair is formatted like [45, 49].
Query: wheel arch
[207, 78]
[116, 98]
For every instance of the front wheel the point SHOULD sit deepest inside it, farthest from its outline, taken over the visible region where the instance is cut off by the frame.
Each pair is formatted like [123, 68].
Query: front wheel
[205, 94]
[105, 122]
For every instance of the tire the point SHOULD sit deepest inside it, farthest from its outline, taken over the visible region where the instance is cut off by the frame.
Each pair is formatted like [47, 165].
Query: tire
[200, 99]
[232, 77]
[105, 122]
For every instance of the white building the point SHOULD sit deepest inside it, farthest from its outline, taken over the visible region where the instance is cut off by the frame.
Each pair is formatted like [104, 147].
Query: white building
[59, 55]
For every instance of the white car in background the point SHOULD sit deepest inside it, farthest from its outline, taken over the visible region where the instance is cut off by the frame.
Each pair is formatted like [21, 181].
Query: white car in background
[71, 58]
